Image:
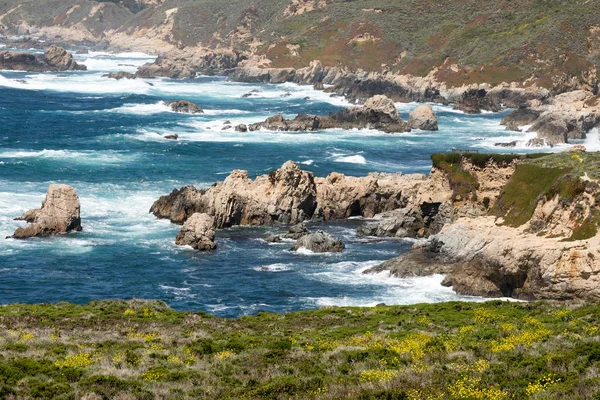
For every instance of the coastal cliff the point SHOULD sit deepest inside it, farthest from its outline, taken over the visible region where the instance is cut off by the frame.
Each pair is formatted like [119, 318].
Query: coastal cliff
[533, 235]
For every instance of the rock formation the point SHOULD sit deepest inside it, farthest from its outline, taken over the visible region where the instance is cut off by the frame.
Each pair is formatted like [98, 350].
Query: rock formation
[319, 242]
[379, 112]
[545, 247]
[54, 59]
[289, 196]
[559, 120]
[423, 118]
[60, 213]
[198, 232]
[190, 62]
[186, 107]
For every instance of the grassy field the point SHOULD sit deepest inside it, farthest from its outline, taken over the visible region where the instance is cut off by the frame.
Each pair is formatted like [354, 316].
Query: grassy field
[145, 350]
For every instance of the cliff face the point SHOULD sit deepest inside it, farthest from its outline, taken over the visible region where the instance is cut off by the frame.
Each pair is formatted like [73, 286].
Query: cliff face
[533, 235]
[478, 42]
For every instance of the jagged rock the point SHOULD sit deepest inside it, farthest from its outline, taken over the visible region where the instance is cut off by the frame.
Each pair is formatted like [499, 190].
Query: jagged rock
[198, 232]
[377, 113]
[180, 204]
[340, 196]
[120, 75]
[184, 106]
[319, 86]
[287, 195]
[54, 59]
[60, 213]
[171, 137]
[423, 118]
[241, 128]
[319, 242]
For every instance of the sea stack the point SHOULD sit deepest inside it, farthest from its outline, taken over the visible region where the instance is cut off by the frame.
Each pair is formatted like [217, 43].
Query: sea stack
[60, 213]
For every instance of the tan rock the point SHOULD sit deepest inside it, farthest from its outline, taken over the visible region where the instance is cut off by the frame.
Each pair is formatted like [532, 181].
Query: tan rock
[198, 232]
[423, 118]
[60, 213]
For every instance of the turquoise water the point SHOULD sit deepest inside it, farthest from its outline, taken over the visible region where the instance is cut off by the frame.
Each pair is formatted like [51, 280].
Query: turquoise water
[105, 138]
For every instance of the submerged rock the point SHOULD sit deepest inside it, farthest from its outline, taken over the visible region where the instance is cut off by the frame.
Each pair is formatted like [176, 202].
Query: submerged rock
[319, 242]
[60, 213]
[423, 118]
[198, 232]
[184, 106]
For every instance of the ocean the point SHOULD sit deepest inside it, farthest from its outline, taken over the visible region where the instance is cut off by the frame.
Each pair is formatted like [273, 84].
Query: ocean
[105, 138]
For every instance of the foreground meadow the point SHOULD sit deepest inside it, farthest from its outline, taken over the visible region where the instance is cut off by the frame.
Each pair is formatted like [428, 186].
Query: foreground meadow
[146, 350]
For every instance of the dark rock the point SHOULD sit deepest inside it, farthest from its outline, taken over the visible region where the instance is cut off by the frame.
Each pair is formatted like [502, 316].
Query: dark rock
[241, 128]
[520, 117]
[171, 137]
[184, 106]
[507, 144]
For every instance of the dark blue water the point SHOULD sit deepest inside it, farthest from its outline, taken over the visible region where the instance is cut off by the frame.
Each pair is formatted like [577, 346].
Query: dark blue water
[105, 138]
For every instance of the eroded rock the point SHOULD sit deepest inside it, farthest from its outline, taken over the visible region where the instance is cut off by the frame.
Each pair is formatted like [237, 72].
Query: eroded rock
[60, 213]
[198, 232]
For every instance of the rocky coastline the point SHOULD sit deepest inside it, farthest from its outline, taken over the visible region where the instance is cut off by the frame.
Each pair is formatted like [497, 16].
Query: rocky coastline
[476, 228]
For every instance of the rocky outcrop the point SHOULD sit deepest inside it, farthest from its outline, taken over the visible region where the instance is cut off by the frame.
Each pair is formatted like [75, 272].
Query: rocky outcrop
[186, 107]
[289, 196]
[198, 232]
[189, 63]
[482, 258]
[340, 196]
[54, 59]
[60, 213]
[566, 117]
[423, 118]
[319, 242]
[379, 112]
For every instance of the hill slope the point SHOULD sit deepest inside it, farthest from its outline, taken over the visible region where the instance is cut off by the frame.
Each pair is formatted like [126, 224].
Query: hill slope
[552, 43]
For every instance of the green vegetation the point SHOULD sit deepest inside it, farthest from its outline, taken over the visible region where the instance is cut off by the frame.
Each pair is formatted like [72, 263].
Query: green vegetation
[548, 176]
[145, 350]
[492, 41]
[519, 197]
[464, 185]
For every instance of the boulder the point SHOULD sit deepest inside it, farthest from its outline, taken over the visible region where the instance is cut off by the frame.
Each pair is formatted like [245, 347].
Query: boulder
[198, 232]
[241, 128]
[319, 242]
[60, 213]
[184, 106]
[397, 223]
[578, 148]
[171, 137]
[423, 118]
[61, 60]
